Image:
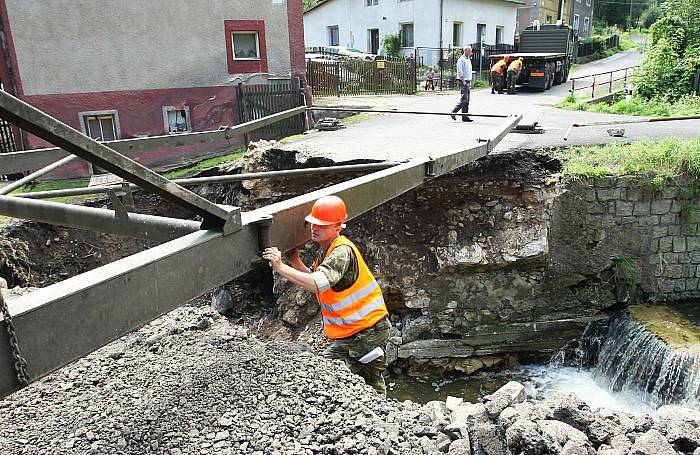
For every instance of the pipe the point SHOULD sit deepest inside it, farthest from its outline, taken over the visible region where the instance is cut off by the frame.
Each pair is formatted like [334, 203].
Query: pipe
[390, 111]
[45, 170]
[136, 225]
[627, 122]
[215, 179]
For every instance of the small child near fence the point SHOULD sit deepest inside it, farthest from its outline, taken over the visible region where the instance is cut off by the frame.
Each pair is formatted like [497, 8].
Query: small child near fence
[429, 79]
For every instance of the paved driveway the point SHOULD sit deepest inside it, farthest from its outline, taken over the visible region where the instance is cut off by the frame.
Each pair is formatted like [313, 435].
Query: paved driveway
[398, 136]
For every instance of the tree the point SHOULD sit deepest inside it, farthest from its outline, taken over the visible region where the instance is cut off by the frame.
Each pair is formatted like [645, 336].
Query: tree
[309, 4]
[392, 45]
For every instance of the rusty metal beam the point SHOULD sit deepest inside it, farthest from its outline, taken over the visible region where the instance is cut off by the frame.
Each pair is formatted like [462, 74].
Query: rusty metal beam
[126, 294]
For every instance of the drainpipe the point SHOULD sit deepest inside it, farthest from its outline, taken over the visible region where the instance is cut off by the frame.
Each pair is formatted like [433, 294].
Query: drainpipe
[22, 135]
[441, 12]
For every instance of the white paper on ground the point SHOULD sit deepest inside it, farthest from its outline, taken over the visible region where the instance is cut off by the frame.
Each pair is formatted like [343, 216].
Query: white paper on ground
[371, 355]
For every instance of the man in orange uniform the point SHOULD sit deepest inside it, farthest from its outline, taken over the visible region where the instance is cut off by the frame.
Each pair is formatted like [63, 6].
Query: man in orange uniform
[514, 70]
[498, 75]
[352, 305]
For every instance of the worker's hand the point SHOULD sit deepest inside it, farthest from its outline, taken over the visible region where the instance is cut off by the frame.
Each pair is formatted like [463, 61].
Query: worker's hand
[292, 255]
[273, 255]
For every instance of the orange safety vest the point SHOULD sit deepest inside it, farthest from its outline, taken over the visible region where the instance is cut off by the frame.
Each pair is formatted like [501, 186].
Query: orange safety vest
[357, 308]
[499, 67]
[516, 65]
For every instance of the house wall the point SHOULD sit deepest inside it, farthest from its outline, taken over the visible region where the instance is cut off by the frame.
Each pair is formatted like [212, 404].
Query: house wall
[472, 12]
[135, 57]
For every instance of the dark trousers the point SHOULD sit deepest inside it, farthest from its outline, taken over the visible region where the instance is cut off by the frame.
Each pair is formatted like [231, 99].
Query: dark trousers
[512, 79]
[463, 104]
[497, 82]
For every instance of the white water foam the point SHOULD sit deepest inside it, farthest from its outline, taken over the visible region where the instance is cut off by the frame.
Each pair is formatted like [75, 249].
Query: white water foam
[547, 380]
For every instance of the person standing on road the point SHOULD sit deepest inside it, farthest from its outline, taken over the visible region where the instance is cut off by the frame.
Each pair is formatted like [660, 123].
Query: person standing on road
[352, 305]
[498, 75]
[514, 70]
[464, 79]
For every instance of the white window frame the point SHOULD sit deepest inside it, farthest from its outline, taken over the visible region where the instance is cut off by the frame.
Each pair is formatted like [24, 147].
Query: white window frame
[115, 121]
[371, 3]
[461, 33]
[330, 34]
[588, 2]
[586, 24]
[166, 124]
[413, 34]
[257, 44]
[577, 22]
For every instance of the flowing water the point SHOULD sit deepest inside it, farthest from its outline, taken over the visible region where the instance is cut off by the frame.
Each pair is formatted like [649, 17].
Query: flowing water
[643, 358]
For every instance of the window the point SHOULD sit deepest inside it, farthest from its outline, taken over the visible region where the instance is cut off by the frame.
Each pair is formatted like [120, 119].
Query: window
[333, 36]
[586, 21]
[576, 21]
[499, 34]
[588, 2]
[372, 2]
[373, 41]
[406, 35]
[246, 46]
[548, 20]
[246, 51]
[480, 33]
[101, 126]
[176, 120]
[457, 34]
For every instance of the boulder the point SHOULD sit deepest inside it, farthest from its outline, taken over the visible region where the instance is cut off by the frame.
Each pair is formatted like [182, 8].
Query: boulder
[564, 408]
[222, 302]
[416, 329]
[523, 436]
[621, 442]
[434, 413]
[457, 430]
[511, 393]
[488, 439]
[443, 442]
[607, 450]
[669, 412]
[681, 429]
[577, 448]
[651, 443]
[453, 402]
[460, 447]
[557, 434]
[428, 446]
[469, 412]
[512, 413]
[601, 431]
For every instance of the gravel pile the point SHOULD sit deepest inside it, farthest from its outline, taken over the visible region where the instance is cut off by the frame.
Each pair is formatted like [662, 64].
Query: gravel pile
[190, 383]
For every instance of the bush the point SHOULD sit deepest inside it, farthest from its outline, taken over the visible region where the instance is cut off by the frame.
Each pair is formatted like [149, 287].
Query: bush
[392, 45]
[649, 16]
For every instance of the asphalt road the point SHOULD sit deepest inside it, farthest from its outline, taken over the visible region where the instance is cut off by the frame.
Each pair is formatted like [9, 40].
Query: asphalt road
[397, 136]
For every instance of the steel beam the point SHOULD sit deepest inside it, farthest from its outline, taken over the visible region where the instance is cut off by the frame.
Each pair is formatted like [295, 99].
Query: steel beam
[101, 220]
[397, 111]
[7, 189]
[104, 304]
[193, 181]
[16, 162]
[48, 128]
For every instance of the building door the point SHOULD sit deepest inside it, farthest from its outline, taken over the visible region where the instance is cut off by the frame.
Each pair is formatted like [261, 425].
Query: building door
[373, 41]
[480, 34]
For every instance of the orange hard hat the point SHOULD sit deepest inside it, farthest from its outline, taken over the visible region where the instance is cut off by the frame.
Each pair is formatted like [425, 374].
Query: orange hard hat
[327, 210]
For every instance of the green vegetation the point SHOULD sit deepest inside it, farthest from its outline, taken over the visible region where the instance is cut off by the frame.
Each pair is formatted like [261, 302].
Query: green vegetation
[658, 161]
[309, 3]
[656, 107]
[355, 118]
[670, 65]
[211, 162]
[625, 271]
[481, 83]
[392, 45]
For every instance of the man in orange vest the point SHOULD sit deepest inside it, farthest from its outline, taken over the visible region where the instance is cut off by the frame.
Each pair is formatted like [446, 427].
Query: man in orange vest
[352, 306]
[498, 75]
[514, 70]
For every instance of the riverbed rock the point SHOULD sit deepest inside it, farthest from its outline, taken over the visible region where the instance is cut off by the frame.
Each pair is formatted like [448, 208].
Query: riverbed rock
[524, 436]
[558, 434]
[511, 393]
[512, 413]
[488, 439]
[416, 329]
[469, 412]
[567, 408]
[670, 412]
[434, 413]
[681, 426]
[651, 443]
[222, 302]
[460, 447]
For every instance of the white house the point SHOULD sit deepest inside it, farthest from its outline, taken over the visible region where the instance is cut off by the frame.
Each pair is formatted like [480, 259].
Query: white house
[363, 24]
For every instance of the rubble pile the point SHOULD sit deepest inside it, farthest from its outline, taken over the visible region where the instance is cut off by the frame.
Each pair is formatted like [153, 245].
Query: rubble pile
[191, 382]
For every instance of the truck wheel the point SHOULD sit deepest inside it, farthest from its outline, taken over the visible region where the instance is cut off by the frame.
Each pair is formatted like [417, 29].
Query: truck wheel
[559, 77]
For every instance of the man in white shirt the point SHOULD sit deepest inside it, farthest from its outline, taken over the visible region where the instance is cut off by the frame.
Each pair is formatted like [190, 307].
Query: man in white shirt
[464, 78]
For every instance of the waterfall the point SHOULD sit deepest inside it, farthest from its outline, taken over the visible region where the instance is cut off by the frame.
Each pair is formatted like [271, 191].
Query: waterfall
[635, 360]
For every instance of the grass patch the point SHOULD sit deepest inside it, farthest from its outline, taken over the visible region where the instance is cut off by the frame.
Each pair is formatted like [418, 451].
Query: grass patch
[291, 138]
[659, 161]
[481, 83]
[53, 185]
[686, 105]
[361, 117]
[211, 162]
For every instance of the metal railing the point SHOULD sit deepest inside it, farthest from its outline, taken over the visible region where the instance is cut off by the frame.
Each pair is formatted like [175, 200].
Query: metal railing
[624, 74]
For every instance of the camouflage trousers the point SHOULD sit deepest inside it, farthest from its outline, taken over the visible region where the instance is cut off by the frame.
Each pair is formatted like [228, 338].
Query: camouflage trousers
[350, 349]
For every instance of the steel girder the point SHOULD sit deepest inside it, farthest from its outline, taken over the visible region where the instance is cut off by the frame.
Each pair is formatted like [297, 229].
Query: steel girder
[11, 163]
[103, 304]
[136, 225]
[48, 128]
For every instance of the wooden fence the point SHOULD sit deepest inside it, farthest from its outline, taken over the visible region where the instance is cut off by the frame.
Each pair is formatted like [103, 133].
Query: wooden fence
[258, 101]
[586, 48]
[357, 77]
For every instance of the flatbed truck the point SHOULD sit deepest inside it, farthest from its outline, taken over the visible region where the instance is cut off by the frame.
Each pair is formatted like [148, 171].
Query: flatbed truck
[548, 51]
